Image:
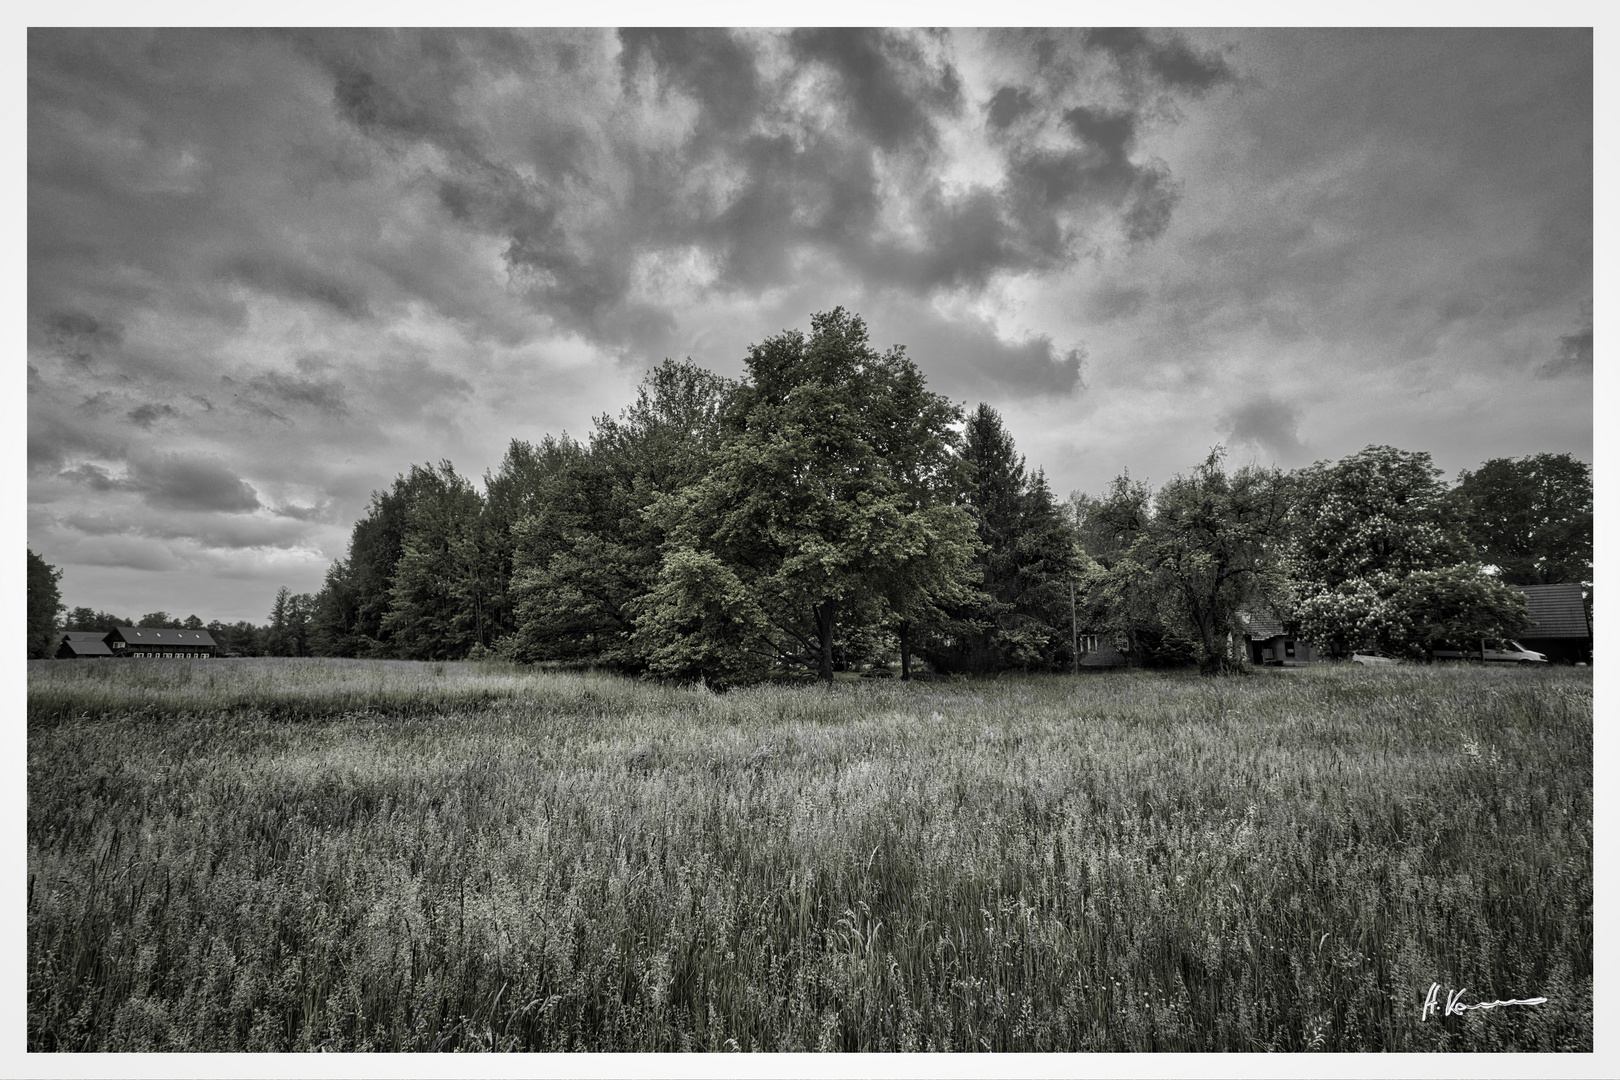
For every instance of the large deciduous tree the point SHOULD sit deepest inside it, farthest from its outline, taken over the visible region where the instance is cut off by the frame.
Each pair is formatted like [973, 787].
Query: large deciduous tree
[829, 493]
[444, 577]
[1210, 550]
[1380, 560]
[1530, 517]
[44, 605]
[587, 554]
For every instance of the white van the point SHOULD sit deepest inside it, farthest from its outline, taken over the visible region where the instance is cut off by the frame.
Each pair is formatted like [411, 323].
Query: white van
[1502, 652]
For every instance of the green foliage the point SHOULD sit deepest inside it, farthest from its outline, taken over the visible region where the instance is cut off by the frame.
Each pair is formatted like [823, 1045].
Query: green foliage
[1171, 571]
[84, 618]
[828, 499]
[44, 605]
[1210, 548]
[444, 576]
[587, 556]
[1017, 613]
[290, 632]
[356, 855]
[1380, 560]
[359, 589]
[1531, 517]
[1458, 605]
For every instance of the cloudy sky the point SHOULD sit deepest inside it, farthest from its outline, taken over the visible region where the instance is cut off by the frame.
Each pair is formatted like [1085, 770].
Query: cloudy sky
[269, 270]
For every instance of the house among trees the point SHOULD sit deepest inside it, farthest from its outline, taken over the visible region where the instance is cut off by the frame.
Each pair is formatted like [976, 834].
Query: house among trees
[1559, 628]
[143, 641]
[1267, 642]
[1097, 651]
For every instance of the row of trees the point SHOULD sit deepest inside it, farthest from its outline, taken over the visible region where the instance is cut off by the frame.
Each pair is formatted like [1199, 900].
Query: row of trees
[828, 511]
[825, 511]
[1373, 552]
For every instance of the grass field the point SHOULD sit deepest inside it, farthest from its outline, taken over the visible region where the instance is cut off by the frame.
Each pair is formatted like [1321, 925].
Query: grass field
[350, 855]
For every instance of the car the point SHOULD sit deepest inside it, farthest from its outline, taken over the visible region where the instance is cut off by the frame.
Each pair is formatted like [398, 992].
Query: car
[1509, 652]
[1371, 659]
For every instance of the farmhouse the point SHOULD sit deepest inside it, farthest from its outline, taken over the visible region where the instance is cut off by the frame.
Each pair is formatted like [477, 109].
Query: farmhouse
[139, 641]
[1559, 628]
[1267, 642]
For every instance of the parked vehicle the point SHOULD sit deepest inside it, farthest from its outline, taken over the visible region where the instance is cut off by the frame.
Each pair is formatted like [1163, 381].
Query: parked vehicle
[1371, 659]
[1510, 652]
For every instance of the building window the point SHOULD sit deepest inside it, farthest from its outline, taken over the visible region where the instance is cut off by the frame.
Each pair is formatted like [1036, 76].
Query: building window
[1288, 648]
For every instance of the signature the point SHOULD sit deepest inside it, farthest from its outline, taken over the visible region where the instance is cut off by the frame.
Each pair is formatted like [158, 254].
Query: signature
[1455, 1004]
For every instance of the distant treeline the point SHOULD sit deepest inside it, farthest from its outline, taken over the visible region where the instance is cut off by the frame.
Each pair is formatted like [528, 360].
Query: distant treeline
[827, 511]
[239, 638]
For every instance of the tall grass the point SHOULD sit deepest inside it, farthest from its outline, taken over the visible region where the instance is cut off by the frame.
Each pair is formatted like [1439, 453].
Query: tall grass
[371, 856]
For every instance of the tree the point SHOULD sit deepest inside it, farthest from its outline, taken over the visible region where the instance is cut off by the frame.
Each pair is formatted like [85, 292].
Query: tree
[159, 620]
[1212, 548]
[44, 605]
[1380, 559]
[1459, 605]
[83, 618]
[1530, 517]
[239, 638]
[1116, 592]
[1019, 613]
[443, 578]
[278, 642]
[587, 555]
[830, 488]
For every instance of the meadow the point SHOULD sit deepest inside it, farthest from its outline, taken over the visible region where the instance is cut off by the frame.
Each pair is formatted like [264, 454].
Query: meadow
[353, 855]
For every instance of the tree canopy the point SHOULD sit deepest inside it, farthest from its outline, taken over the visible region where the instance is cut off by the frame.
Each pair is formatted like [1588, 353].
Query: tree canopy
[44, 605]
[828, 511]
[830, 488]
[1530, 517]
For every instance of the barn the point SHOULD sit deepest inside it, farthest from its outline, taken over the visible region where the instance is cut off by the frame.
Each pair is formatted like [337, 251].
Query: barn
[82, 645]
[1559, 628]
[137, 641]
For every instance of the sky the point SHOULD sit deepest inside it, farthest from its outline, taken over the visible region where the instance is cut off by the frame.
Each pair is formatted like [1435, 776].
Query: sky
[269, 270]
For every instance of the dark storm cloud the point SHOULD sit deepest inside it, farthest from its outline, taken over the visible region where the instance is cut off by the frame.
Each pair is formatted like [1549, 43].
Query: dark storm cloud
[232, 532]
[1574, 357]
[194, 483]
[1007, 105]
[891, 93]
[81, 338]
[325, 395]
[147, 415]
[297, 282]
[965, 356]
[745, 160]
[174, 482]
[1267, 423]
[77, 328]
[1169, 60]
[1111, 300]
[94, 477]
[711, 65]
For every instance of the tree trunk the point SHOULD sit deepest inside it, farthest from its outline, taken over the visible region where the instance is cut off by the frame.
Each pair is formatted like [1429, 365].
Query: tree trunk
[826, 615]
[905, 651]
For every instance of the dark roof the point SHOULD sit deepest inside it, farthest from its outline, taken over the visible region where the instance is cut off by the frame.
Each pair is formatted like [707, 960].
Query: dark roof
[147, 635]
[81, 644]
[82, 635]
[1556, 611]
[1261, 624]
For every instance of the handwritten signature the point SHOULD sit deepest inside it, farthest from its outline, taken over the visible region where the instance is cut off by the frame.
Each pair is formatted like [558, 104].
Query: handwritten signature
[1455, 1004]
